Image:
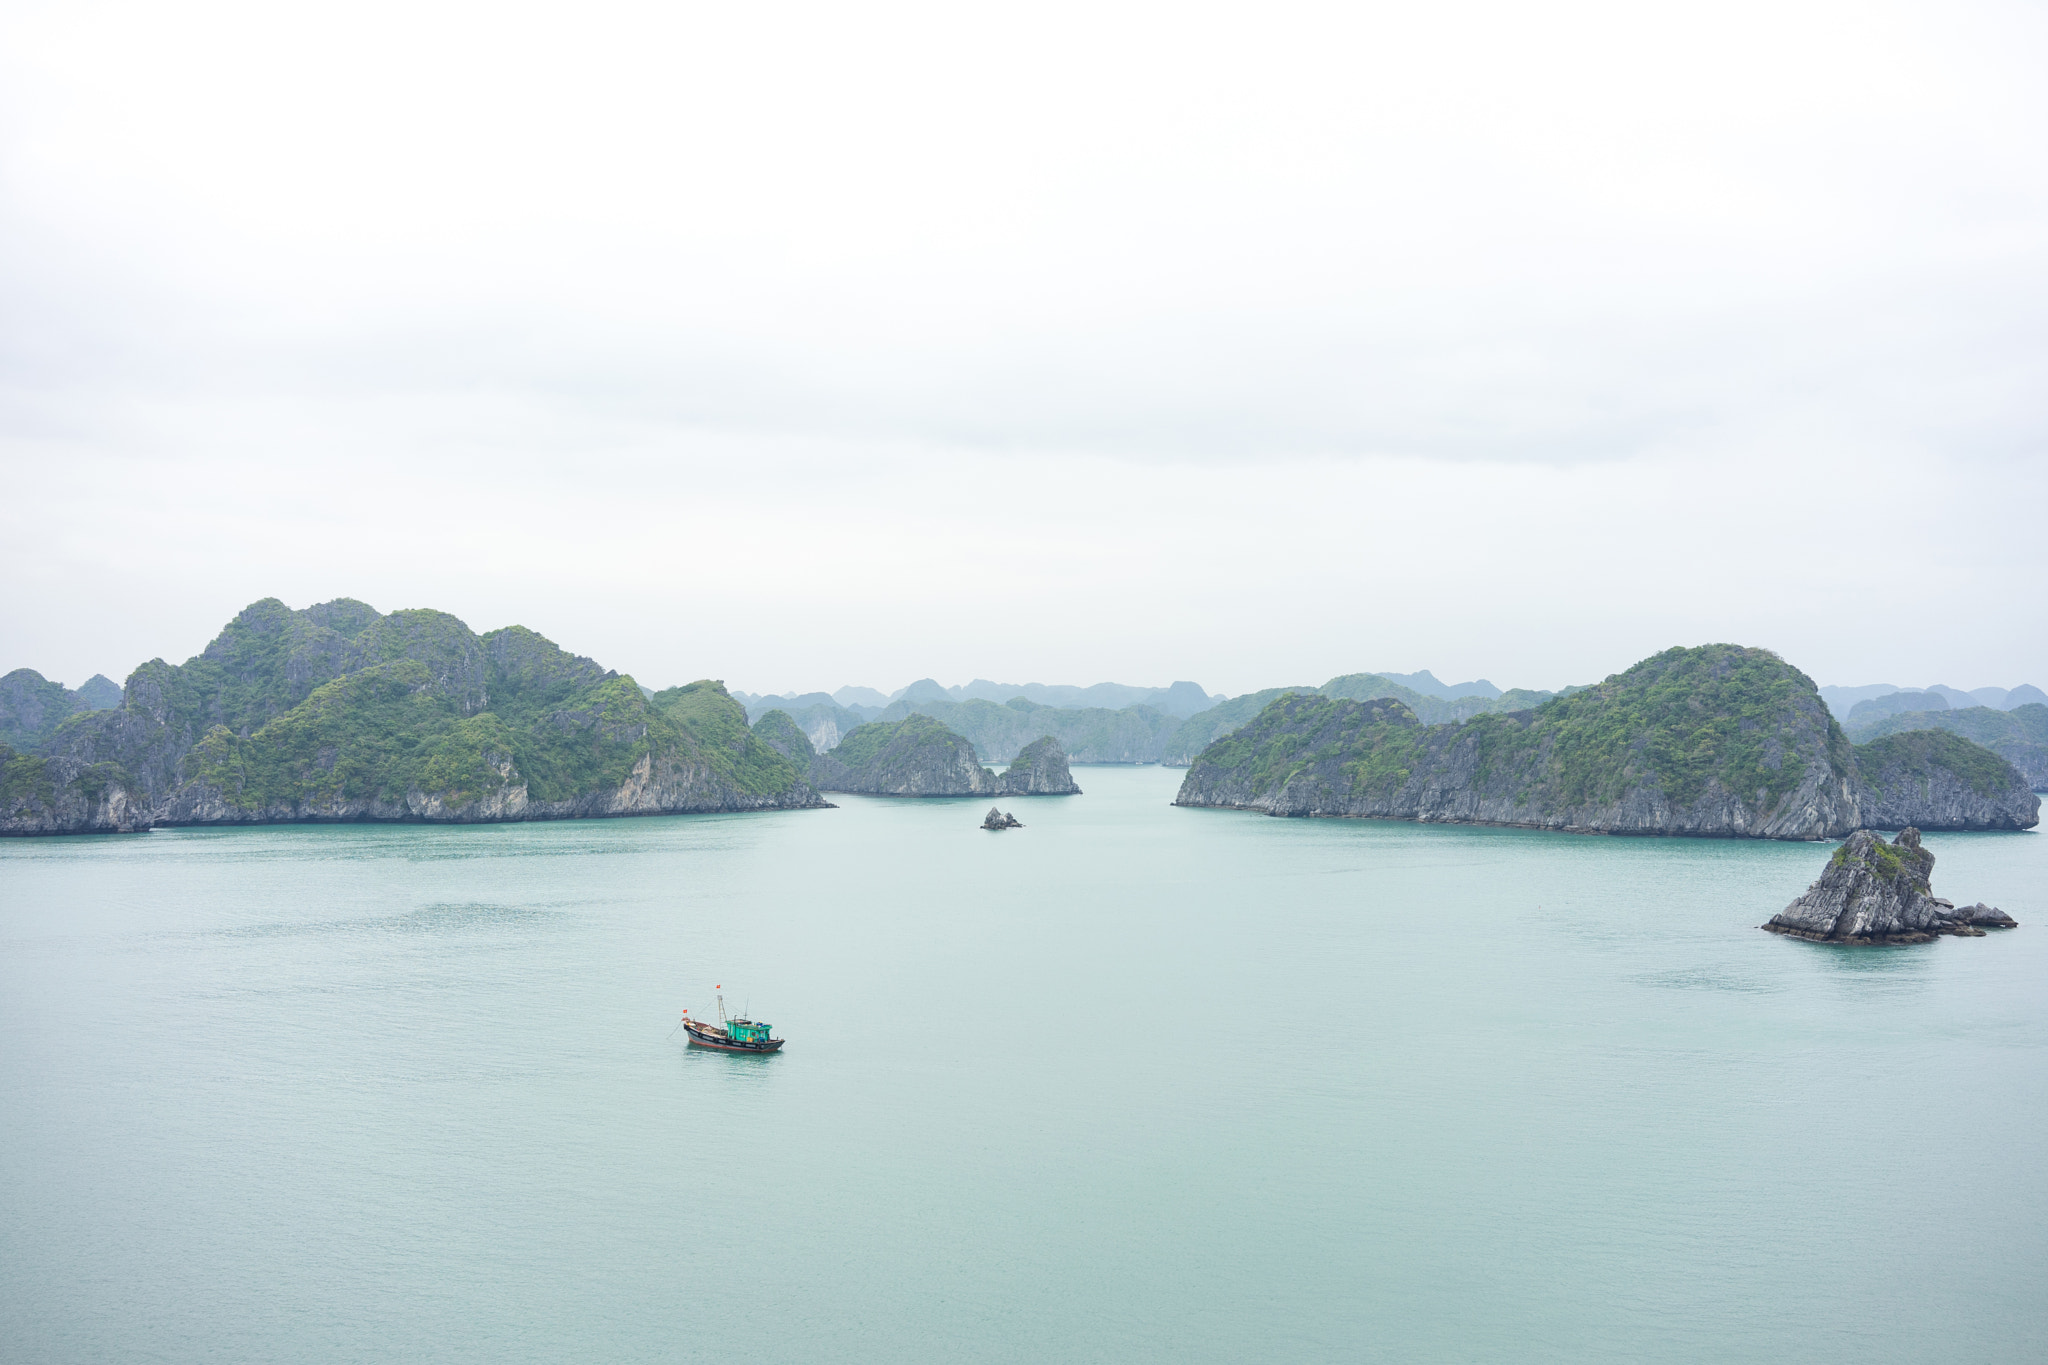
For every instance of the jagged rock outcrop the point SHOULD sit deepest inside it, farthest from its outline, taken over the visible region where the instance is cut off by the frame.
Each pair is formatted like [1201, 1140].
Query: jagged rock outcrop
[340, 713]
[996, 819]
[1872, 892]
[1719, 740]
[1040, 769]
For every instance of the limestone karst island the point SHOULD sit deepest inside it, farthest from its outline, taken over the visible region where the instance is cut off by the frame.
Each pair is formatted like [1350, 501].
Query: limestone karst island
[339, 712]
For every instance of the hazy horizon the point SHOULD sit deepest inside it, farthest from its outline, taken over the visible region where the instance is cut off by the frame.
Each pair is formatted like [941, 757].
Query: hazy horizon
[1089, 343]
[120, 676]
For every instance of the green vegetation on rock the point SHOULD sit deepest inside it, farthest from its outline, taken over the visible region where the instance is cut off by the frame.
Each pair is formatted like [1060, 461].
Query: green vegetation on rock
[1921, 755]
[2019, 736]
[414, 716]
[1717, 739]
[1682, 719]
[32, 707]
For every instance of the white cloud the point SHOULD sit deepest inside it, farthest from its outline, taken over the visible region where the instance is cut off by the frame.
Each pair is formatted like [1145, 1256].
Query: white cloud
[813, 344]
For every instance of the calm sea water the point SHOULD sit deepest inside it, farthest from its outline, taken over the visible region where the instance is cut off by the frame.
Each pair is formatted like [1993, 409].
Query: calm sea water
[1130, 1084]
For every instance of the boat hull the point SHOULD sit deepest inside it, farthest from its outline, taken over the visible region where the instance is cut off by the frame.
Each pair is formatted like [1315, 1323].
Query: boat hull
[718, 1042]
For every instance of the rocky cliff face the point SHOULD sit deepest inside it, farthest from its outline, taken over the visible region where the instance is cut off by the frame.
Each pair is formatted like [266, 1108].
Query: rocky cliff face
[1039, 770]
[664, 786]
[915, 756]
[1933, 779]
[1873, 892]
[1375, 759]
[1718, 740]
[64, 796]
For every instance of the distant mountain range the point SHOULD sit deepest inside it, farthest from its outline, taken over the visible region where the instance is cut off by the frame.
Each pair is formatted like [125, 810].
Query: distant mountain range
[1144, 732]
[1181, 699]
[1843, 701]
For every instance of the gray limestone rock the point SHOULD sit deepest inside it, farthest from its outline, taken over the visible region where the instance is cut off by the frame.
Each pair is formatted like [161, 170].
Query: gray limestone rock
[1873, 892]
[996, 819]
[1933, 779]
[1986, 916]
[65, 796]
[1040, 769]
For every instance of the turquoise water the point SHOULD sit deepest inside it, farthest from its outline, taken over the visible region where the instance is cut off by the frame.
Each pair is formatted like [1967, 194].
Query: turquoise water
[1130, 1084]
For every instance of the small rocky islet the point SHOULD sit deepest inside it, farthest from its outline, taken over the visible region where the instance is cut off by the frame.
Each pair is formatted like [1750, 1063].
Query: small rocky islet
[1873, 892]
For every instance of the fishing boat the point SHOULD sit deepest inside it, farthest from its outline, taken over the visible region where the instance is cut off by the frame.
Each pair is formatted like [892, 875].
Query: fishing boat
[730, 1035]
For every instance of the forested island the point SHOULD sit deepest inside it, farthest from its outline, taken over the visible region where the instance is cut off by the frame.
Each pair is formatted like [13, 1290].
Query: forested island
[340, 712]
[2019, 736]
[918, 756]
[1714, 740]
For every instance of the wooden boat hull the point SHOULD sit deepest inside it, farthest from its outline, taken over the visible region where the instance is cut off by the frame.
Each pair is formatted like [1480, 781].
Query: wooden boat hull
[718, 1042]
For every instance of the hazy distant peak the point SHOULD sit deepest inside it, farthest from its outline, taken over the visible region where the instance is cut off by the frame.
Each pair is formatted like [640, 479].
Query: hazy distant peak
[1844, 700]
[1897, 703]
[100, 692]
[860, 696]
[789, 699]
[924, 689]
[1429, 685]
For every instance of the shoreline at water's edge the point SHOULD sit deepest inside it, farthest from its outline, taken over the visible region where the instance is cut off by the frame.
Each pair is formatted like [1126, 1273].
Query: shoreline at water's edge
[280, 822]
[1885, 940]
[1579, 829]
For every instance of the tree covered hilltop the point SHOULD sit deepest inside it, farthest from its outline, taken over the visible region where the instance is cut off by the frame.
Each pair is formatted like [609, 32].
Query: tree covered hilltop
[1715, 740]
[340, 712]
[918, 756]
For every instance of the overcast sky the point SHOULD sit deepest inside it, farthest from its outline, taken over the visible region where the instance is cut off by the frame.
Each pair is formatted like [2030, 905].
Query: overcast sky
[805, 345]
